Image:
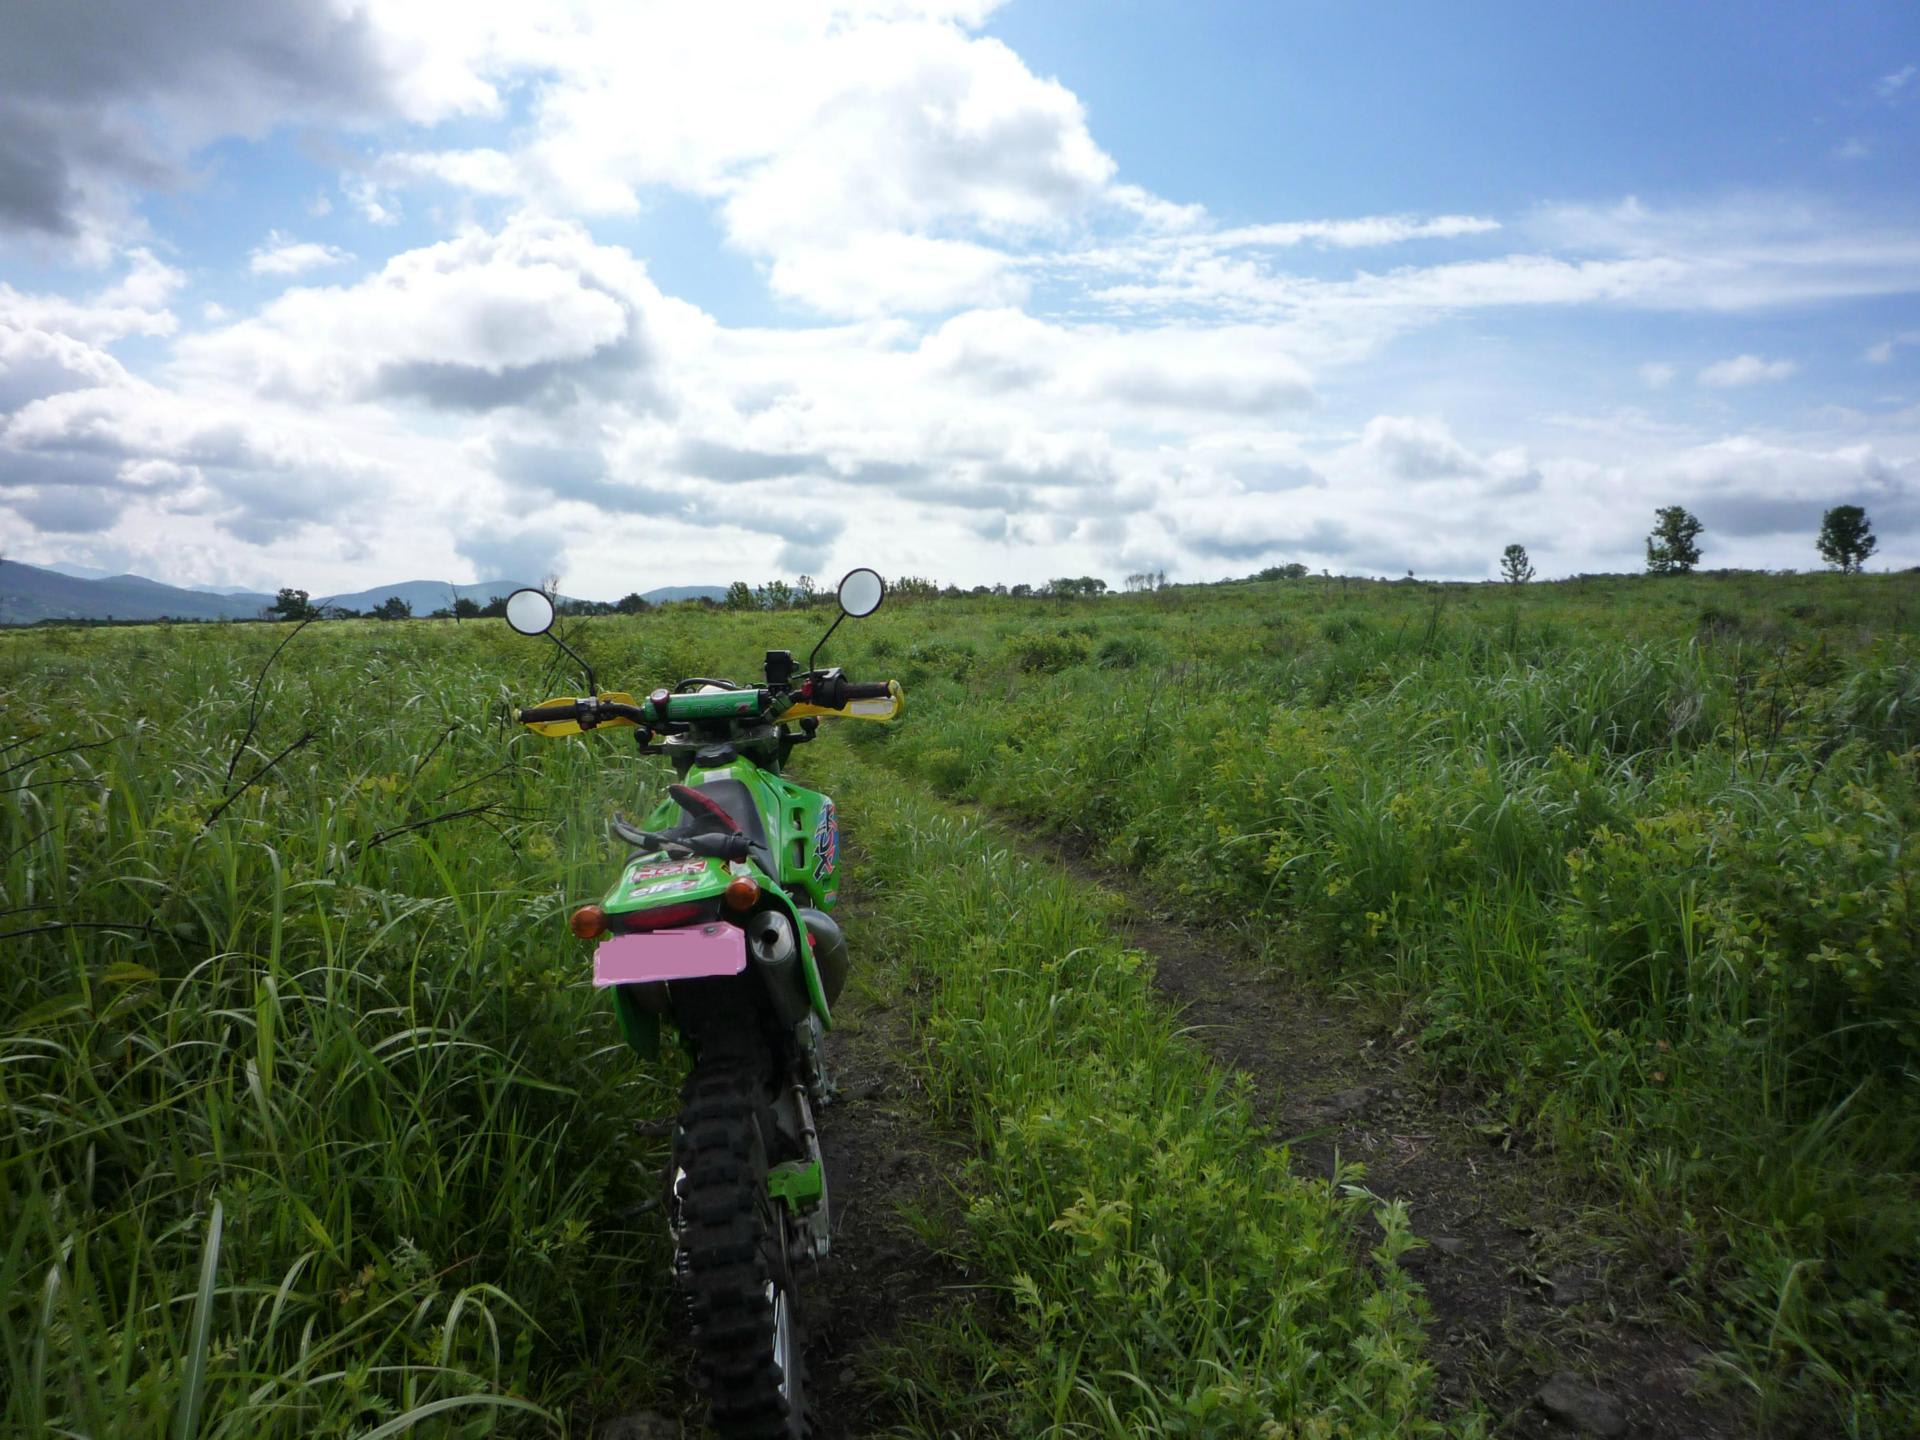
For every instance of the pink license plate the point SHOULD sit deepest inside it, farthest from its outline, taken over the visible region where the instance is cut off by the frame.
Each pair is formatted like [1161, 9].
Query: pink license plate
[685, 953]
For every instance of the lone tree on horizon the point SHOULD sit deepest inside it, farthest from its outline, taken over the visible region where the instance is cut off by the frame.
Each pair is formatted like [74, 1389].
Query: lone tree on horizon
[292, 604]
[1515, 567]
[1670, 548]
[1846, 538]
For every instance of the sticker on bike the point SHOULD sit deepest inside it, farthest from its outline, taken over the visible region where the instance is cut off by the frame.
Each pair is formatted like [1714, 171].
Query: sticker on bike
[826, 844]
[641, 873]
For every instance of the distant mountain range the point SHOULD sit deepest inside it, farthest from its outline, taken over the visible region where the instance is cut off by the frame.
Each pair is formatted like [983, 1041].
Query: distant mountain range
[31, 592]
[424, 596]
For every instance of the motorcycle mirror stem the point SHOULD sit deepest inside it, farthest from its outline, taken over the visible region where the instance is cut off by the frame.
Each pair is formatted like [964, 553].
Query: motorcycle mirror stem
[530, 612]
[860, 593]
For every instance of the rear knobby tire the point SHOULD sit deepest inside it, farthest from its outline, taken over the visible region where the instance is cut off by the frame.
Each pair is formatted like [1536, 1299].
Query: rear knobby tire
[733, 1260]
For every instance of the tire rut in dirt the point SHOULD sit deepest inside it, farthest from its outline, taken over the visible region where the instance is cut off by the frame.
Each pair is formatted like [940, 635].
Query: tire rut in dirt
[884, 1159]
[743, 1316]
[1520, 1305]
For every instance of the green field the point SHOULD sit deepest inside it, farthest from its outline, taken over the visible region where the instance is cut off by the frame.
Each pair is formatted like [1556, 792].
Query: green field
[315, 1128]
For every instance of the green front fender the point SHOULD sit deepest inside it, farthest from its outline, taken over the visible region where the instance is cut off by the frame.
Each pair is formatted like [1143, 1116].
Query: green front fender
[639, 1028]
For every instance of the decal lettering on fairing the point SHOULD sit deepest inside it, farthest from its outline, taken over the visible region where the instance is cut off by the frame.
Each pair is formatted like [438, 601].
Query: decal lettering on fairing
[664, 887]
[641, 873]
[826, 844]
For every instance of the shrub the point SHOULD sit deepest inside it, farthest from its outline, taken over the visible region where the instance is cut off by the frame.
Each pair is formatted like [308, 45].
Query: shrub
[1047, 654]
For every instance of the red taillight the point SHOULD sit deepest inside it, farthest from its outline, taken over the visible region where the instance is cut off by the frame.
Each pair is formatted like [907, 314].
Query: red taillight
[589, 922]
[661, 916]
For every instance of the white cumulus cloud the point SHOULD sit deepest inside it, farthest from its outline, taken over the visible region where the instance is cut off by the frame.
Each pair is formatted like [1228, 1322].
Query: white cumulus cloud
[479, 321]
[283, 255]
[1744, 370]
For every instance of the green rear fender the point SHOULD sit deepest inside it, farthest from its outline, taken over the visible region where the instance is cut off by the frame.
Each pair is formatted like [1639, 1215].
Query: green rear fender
[803, 833]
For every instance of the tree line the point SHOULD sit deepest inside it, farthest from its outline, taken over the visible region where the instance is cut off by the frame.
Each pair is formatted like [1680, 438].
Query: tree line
[292, 604]
[1845, 542]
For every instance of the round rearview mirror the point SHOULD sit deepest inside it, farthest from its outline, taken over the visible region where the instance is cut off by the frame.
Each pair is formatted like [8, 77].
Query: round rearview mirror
[861, 592]
[530, 612]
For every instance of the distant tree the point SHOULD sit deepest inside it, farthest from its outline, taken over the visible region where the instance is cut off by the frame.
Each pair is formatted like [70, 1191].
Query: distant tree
[1070, 588]
[443, 613]
[1021, 592]
[999, 589]
[465, 609]
[805, 592]
[291, 604]
[914, 587]
[550, 583]
[774, 595]
[494, 609]
[739, 596]
[393, 608]
[1515, 568]
[338, 612]
[1846, 538]
[452, 606]
[1670, 548]
[633, 604]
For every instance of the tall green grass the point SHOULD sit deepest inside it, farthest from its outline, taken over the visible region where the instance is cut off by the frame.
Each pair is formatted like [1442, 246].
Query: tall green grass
[320, 1133]
[1635, 854]
[1158, 1270]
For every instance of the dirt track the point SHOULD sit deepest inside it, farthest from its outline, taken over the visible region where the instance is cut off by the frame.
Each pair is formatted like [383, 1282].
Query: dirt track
[1520, 1292]
[1524, 1299]
[882, 1273]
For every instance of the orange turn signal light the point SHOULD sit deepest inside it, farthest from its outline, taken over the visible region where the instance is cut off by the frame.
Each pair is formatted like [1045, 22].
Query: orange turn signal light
[742, 894]
[589, 922]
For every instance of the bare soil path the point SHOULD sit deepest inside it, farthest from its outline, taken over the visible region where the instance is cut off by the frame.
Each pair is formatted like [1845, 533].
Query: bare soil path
[1553, 1332]
[883, 1273]
[885, 1167]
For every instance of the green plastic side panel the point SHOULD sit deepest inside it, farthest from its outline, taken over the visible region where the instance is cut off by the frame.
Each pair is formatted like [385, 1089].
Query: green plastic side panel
[798, 1182]
[809, 833]
[639, 1028]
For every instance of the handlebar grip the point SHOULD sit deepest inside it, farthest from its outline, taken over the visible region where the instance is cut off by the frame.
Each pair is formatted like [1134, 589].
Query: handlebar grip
[533, 714]
[869, 689]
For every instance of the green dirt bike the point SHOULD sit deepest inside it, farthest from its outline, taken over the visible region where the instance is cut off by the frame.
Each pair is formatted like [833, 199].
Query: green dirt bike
[719, 923]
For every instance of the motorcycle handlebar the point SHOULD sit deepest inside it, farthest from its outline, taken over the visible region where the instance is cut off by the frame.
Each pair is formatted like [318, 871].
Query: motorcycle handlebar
[712, 705]
[580, 710]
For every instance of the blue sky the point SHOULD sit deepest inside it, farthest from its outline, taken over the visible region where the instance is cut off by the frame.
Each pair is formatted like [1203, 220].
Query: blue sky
[1354, 109]
[339, 293]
